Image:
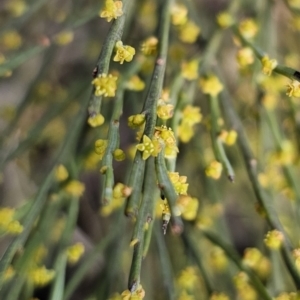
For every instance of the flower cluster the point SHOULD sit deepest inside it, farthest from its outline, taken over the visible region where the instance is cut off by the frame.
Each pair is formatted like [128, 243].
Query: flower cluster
[75, 252]
[218, 259]
[248, 28]
[214, 170]
[225, 20]
[40, 276]
[136, 121]
[139, 294]
[211, 85]
[268, 65]
[189, 70]
[188, 207]
[123, 53]
[7, 221]
[190, 116]
[61, 173]
[75, 188]
[149, 147]
[164, 111]
[179, 183]
[274, 239]
[96, 120]
[244, 288]
[112, 10]
[245, 57]
[105, 85]
[149, 46]
[293, 89]
[100, 147]
[167, 135]
[135, 83]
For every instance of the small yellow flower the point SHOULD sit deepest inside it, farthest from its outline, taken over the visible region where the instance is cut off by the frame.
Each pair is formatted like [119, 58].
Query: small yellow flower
[75, 252]
[218, 259]
[165, 111]
[11, 40]
[7, 222]
[149, 46]
[135, 84]
[224, 19]
[189, 70]
[112, 10]
[96, 120]
[179, 14]
[268, 65]
[100, 147]
[231, 138]
[293, 89]
[269, 101]
[167, 135]
[61, 173]
[64, 38]
[185, 132]
[41, 276]
[105, 85]
[146, 147]
[248, 28]
[179, 183]
[188, 278]
[123, 53]
[188, 207]
[274, 239]
[214, 170]
[75, 188]
[245, 57]
[119, 155]
[14, 227]
[136, 121]
[211, 85]
[189, 32]
[139, 294]
[191, 115]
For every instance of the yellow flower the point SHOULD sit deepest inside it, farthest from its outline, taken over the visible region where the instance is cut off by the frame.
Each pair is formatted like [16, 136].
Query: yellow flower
[188, 278]
[100, 147]
[136, 121]
[139, 294]
[245, 57]
[179, 14]
[41, 276]
[14, 227]
[211, 85]
[147, 147]
[167, 135]
[75, 252]
[179, 183]
[149, 46]
[189, 70]
[105, 85]
[185, 132]
[119, 155]
[224, 19]
[293, 89]
[9, 273]
[165, 111]
[75, 188]
[16, 7]
[274, 239]
[218, 259]
[191, 115]
[96, 120]
[268, 65]
[231, 138]
[112, 10]
[11, 40]
[269, 101]
[64, 38]
[7, 222]
[135, 84]
[294, 3]
[214, 170]
[188, 207]
[248, 28]
[189, 32]
[61, 173]
[123, 53]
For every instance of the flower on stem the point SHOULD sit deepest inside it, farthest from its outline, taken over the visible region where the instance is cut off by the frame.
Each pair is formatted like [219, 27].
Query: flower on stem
[8, 223]
[293, 89]
[211, 85]
[16, 7]
[119, 155]
[189, 32]
[225, 20]
[123, 53]
[268, 65]
[229, 138]
[179, 14]
[179, 183]
[188, 278]
[135, 83]
[219, 296]
[165, 111]
[248, 28]
[189, 70]
[40, 276]
[274, 239]
[112, 10]
[96, 120]
[188, 207]
[136, 121]
[64, 38]
[74, 252]
[167, 135]
[11, 40]
[100, 147]
[75, 188]
[61, 173]
[245, 57]
[147, 147]
[138, 294]
[218, 259]
[245, 290]
[149, 46]
[214, 170]
[105, 85]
